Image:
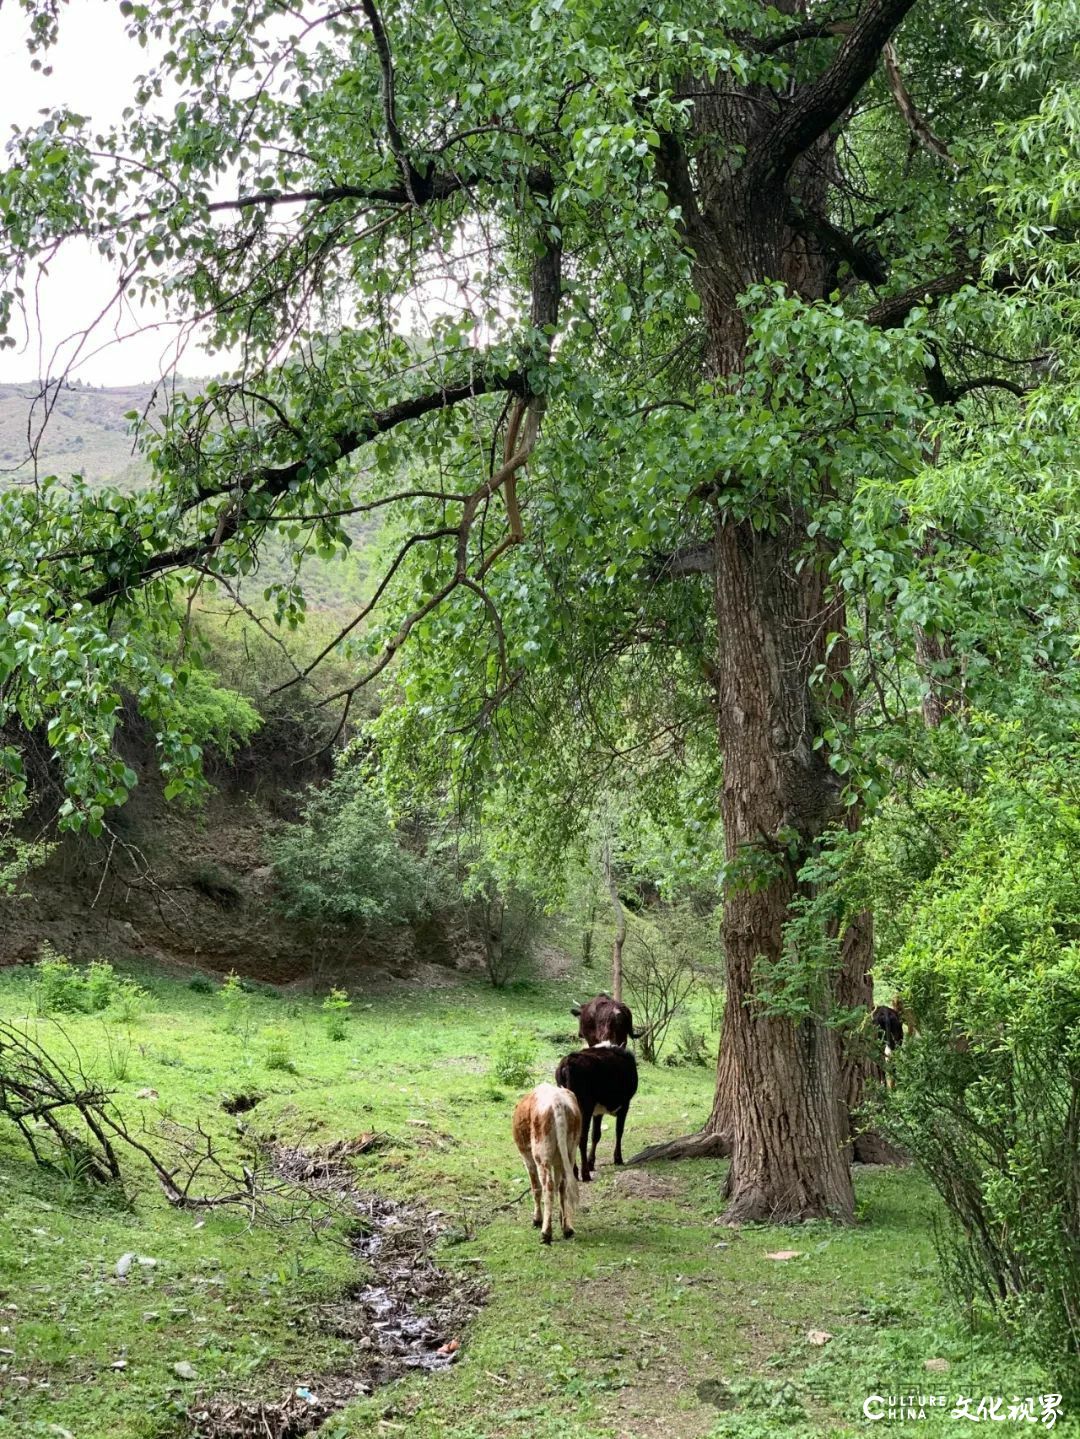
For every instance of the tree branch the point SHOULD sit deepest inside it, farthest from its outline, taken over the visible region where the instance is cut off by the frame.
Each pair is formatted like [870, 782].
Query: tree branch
[674, 174]
[864, 259]
[438, 187]
[942, 392]
[273, 481]
[819, 104]
[416, 185]
[891, 313]
[904, 103]
[809, 30]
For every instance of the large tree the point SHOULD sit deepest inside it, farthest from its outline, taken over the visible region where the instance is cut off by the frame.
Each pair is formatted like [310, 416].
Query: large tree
[620, 315]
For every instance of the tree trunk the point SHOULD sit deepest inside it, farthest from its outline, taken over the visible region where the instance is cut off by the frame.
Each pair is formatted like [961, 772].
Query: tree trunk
[620, 924]
[782, 1076]
[782, 1092]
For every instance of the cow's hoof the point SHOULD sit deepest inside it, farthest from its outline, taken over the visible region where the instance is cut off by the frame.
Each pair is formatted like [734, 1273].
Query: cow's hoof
[586, 1179]
[545, 1239]
[537, 1223]
[618, 1159]
[568, 1234]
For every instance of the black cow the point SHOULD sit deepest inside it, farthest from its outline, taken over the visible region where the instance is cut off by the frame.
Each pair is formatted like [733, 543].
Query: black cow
[890, 1026]
[604, 1020]
[603, 1080]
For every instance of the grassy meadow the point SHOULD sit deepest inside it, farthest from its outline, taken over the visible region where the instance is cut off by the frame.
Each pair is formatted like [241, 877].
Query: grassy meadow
[655, 1320]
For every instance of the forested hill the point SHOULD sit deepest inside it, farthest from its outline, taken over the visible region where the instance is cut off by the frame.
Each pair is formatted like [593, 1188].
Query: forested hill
[86, 434]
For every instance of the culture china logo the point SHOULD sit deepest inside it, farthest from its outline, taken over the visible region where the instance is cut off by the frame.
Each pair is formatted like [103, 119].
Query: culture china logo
[1044, 1409]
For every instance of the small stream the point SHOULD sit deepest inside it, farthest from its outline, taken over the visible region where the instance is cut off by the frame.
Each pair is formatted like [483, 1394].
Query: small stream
[405, 1314]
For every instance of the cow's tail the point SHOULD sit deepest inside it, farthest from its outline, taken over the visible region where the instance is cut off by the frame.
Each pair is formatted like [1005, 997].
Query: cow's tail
[565, 1157]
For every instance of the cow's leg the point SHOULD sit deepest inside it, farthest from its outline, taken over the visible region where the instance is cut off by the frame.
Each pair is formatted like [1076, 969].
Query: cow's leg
[598, 1119]
[547, 1181]
[566, 1213]
[534, 1184]
[620, 1120]
[586, 1115]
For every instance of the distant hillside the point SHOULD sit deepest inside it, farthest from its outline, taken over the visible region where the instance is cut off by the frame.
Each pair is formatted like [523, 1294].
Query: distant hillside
[87, 433]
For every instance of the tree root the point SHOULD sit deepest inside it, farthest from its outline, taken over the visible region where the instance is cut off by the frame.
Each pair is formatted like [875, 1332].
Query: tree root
[873, 1148]
[691, 1146]
[867, 1148]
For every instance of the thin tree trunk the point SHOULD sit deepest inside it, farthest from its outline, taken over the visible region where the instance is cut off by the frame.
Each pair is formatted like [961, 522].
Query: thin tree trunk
[620, 923]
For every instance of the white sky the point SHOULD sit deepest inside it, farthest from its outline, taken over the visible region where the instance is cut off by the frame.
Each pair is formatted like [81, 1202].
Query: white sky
[94, 70]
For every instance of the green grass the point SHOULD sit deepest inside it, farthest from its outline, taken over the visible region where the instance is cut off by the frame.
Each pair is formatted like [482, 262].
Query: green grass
[611, 1334]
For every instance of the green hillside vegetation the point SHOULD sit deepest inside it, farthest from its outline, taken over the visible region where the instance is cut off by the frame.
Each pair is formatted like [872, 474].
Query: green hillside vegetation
[633, 544]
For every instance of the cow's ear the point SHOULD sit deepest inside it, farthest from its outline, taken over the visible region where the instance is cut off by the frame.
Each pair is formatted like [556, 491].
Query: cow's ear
[576, 1011]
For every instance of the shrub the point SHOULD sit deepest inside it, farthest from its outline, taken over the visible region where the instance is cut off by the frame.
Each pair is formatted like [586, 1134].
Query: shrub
[513, 1057]
[503, 923]
[987, 1098]
[99, 986]
[128, 1001]
[691, 1047]
[59, 987]
[336, 1007]
[278, 1050]
[344, 864]
[235, 1004]
[213, 714]
[202, 984]
[662, 968]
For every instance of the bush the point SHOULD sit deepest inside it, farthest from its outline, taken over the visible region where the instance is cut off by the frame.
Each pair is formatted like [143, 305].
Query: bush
[213, 714]
[691, 1047]
[99, 986]
[128, 1001]
[664, 964]
[987, 1098]
[58, 987]
[344, 863]
[336, 1008]
[278, 1051]
[61, 988]
[513, 1057]
[503, 923]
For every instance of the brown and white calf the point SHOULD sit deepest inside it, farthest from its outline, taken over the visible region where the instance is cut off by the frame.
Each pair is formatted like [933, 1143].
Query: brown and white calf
[604, 1020]
[547, 1126]
[603, 1080]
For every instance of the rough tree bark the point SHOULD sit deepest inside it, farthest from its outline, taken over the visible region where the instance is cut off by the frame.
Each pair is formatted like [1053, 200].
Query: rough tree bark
[781, 1090]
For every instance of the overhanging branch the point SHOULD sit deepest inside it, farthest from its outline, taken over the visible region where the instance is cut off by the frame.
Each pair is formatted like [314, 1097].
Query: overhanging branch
[821, 103]
[915, 122]
[270, 482]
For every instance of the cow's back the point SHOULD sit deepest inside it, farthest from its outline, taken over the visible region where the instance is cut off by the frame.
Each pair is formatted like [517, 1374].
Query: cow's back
[607, 1075]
